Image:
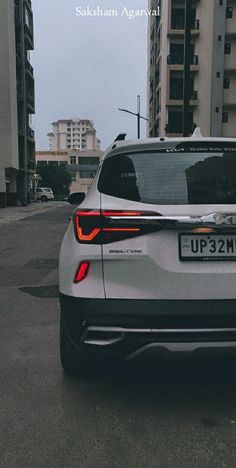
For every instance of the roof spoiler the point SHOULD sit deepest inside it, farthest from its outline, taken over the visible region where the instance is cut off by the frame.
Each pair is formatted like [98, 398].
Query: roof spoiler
[120, 137]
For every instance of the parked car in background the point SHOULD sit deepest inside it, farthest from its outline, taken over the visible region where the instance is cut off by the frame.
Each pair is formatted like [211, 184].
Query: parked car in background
[44, 194]
[148, 262]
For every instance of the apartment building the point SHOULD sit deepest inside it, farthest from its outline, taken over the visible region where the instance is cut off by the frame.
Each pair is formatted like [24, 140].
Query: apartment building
[17, 145]
[76, 133]
[213, 68]
[82, 165]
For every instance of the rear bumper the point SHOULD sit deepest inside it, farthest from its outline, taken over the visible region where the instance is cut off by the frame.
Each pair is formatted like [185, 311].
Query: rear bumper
[139, 328]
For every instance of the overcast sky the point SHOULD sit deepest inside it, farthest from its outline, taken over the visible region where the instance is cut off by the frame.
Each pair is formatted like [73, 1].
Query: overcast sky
[89, 66]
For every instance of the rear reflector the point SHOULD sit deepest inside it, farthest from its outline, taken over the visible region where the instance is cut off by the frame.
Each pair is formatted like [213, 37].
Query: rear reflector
[82, 271]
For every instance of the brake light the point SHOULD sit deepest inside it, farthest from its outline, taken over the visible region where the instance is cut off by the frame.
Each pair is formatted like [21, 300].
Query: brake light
[82, 271]
[101, 227]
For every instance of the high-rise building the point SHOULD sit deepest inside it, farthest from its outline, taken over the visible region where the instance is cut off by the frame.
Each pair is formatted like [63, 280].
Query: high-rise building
[213, 67]
[75, 133]
[17, 145]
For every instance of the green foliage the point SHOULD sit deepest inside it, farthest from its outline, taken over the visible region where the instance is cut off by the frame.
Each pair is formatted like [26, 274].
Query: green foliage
[56, 177]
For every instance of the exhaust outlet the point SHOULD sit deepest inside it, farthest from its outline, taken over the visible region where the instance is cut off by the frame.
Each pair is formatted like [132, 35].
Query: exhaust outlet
[101, 336]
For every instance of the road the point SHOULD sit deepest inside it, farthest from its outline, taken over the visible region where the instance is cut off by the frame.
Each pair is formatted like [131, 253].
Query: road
[168, 414]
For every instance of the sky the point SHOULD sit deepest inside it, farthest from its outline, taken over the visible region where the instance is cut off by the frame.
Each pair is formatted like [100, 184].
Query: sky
[88, 67]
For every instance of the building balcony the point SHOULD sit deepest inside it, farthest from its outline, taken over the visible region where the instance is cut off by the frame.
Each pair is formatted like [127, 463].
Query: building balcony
[30, 134]
[17, 17]
[175, 59]
[19, 91]
[31, 165]
[230, 30]
[29, 69]
[230, 69]
[176, 28]
[28, 3]
[21, 130]
[176, 99]
[18, 55]
[30, 104]
[29, 40]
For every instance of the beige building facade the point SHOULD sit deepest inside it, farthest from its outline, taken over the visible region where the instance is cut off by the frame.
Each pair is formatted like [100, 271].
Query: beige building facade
[82, 165]
[213, 68]
[9, 162]
[78, 134]
[17, 144]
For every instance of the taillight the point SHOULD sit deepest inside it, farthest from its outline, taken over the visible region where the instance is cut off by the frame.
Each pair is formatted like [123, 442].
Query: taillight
[87, 225]
[82, 271]
[105, 226]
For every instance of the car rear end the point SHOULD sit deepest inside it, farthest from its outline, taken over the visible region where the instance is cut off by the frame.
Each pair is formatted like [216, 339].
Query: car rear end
[48, 193]
[157, 231]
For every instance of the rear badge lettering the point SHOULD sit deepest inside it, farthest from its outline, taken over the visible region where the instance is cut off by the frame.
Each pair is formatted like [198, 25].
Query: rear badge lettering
[126, 251]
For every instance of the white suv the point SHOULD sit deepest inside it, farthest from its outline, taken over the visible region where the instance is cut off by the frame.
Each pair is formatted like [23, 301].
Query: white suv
[148, 262]
[44, 194]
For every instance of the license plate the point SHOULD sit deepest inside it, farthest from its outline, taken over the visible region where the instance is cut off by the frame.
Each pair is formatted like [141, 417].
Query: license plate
[207, 247]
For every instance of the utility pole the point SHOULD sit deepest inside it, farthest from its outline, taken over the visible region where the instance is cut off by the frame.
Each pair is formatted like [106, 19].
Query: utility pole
[137, 114]
[187, 63]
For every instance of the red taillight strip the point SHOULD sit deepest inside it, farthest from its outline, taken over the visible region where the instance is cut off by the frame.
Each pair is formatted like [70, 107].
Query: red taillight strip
[82, 271]
[121, 213]
[88, 213]
[85, 237]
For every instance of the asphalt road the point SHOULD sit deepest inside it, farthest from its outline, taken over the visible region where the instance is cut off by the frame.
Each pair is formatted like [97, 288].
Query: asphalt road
[168, 414]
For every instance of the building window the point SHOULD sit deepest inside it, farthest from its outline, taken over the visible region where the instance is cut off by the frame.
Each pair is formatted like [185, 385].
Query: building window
[229, 12]
[87, 174]
[217, 110]
[225, 117]
[226, 83]
[73, 176]
[88, 160]
[221, 2]
[227, 48]
[73, 159]
[63, 163]
[217, 74]
[219, 38]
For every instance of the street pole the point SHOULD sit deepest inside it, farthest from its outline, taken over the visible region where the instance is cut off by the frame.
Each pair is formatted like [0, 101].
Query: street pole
[138, 115]
[187, 62]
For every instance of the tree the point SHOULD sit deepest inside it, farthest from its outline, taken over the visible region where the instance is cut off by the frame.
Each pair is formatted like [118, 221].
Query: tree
[56, 177]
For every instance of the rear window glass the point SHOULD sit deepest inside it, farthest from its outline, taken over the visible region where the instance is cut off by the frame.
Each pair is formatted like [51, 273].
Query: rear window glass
[171, 178]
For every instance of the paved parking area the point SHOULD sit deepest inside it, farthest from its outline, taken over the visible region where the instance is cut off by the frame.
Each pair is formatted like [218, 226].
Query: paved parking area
[15, 213]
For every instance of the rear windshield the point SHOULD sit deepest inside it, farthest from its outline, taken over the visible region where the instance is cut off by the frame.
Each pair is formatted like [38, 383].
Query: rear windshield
[171, 178]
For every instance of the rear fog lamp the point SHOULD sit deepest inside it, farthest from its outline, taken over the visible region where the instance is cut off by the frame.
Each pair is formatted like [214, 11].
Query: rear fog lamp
[82, 271]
